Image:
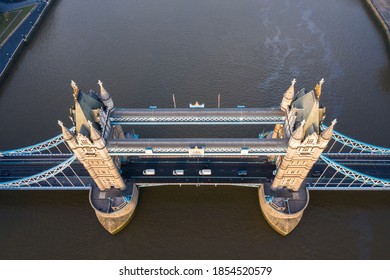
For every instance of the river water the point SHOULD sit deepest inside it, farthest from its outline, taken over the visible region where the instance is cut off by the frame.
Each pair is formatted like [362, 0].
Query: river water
[247, 51]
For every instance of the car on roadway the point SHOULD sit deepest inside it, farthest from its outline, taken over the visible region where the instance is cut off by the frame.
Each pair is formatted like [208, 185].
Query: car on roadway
[149, 172]
[178, 172]
[242, 172]
[205, 172]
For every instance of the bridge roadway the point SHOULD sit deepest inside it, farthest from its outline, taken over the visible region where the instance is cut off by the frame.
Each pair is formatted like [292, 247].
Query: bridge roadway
[212, 147]
[187, 116]
[224, 171]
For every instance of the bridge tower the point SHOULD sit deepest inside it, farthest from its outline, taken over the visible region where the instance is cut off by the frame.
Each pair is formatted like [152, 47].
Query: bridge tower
[304, 116]
[90, 115]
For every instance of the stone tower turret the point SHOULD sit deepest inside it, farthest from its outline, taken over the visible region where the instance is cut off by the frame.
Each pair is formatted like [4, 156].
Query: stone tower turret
[88, 144]
[288, 96]
[105, 97]
[306, 142]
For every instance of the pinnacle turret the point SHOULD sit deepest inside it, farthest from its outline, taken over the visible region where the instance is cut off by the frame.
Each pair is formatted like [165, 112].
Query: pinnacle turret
[65, 132]
[94, 134]
[288, 96]
[327, 133]
[105, 97]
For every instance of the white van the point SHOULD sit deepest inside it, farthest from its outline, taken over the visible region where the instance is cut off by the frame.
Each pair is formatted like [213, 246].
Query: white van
[178, 172]
[205, 172]
[149, 172]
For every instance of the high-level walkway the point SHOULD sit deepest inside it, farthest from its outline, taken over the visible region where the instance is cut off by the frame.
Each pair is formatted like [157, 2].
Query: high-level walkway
[175, 116]
[207, 146]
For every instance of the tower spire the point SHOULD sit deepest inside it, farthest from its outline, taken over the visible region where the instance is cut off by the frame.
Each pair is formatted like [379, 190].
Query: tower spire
[65, 132]
[94, 134]
[68, 136]
[288, 96]
[105, 96]
[327, 133]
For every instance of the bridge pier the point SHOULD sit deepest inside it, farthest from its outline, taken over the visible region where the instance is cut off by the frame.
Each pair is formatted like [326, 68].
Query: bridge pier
[284, 201]
[113, 208]
[282, 211]
[113, 201]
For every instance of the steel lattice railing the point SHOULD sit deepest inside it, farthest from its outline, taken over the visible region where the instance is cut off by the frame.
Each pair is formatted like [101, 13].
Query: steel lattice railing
[141, 120]
[215, 151]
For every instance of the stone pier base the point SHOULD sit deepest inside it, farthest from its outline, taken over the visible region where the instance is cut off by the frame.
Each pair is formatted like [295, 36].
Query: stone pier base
[280, 221]
[114, 222]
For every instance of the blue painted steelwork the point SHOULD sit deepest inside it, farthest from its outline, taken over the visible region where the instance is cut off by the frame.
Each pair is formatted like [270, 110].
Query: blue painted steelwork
[40, 177]
[355, 144]
[355, 176]
[37, 148]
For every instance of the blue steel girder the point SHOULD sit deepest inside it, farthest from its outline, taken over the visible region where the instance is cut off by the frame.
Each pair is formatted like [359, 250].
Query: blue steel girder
[40, 177]
[37, 148]
[355, 175]
[355, 144]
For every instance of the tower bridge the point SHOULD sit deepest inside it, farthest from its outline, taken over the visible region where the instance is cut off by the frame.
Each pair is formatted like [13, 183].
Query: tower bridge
[299, 155]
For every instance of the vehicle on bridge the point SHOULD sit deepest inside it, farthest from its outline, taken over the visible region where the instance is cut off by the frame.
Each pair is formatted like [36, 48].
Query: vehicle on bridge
[178, 172]
[205, 172]
[149, 172]
[242, 172]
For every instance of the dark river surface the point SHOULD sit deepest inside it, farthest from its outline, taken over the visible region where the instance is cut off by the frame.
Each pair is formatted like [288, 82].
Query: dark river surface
[246, 50]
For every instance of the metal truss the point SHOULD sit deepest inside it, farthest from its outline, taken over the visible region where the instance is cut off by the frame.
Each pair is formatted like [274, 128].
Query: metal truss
[355, 144]
[355, 175]
[43, 176]
[249, 185]
[37, 148]
[161, 120]
[181, 151]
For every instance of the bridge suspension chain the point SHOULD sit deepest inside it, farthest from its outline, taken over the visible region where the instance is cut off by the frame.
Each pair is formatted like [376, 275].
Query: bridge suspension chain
[355, 144]
[38, 148]
[353, 175]
[38, 179]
